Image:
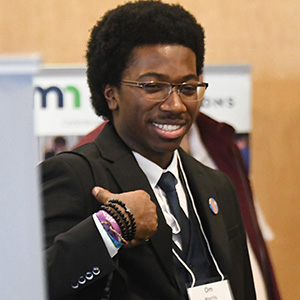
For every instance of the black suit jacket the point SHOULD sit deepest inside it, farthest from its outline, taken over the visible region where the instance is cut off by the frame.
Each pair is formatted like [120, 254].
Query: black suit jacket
[79, 266]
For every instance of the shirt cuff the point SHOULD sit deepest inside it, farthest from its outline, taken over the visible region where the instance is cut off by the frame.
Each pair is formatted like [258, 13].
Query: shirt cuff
[111, 248]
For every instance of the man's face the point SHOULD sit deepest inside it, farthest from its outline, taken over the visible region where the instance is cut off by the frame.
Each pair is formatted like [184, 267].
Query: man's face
[154, 129]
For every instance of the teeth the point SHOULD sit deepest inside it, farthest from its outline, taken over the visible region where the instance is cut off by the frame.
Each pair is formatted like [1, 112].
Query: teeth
[167, 127]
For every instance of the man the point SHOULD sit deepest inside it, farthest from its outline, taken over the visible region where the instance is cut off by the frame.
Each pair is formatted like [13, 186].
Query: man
[212, 143]
[157, 224]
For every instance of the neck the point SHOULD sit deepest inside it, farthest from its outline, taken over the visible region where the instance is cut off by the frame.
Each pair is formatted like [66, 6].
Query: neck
[161, 160]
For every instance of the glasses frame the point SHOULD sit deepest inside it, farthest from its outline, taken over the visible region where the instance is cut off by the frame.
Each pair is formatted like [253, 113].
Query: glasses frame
[141, 85]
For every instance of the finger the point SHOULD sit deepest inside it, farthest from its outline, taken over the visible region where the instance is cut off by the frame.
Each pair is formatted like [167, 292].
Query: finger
[134, 243]
[101, 194]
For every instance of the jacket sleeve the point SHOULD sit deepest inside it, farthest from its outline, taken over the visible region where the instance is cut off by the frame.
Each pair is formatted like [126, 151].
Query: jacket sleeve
[76, 256]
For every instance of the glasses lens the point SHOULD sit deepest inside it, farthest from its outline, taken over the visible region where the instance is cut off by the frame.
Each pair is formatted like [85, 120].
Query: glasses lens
[192, 92]
[200, 92]
[156, 91]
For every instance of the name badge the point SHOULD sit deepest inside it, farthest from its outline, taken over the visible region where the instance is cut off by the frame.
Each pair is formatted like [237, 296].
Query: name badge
[219, 290]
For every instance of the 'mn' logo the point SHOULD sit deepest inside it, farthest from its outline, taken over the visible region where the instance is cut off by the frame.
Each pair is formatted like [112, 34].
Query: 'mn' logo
[59, 95]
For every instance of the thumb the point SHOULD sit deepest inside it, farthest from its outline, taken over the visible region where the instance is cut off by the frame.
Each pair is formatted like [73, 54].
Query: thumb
[101, 194]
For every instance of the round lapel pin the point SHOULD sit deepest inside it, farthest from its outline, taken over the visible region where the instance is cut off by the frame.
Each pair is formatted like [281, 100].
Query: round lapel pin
[213, 205]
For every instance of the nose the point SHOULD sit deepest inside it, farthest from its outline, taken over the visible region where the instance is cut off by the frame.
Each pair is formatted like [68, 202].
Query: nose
[173, 102]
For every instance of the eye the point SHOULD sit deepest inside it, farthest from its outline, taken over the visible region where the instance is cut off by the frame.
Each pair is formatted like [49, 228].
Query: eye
[188, 89]
[154, 87]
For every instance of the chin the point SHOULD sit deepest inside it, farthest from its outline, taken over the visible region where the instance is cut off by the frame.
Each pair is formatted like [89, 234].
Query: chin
[171, 147]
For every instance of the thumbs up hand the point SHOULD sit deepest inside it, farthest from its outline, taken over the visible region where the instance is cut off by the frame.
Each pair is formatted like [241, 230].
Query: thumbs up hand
[141, 207]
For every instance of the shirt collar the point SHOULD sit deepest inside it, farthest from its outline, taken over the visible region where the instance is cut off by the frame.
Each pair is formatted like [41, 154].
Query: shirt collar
[153, 171]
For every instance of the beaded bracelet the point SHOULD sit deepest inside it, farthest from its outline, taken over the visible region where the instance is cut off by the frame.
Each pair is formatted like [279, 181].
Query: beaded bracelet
[127, 210]
[123, 217]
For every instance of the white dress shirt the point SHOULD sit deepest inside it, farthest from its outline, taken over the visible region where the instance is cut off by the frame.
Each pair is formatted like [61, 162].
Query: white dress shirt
[153, 172]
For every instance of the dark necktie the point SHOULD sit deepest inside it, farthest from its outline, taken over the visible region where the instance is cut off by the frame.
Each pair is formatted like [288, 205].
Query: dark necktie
[167, 183]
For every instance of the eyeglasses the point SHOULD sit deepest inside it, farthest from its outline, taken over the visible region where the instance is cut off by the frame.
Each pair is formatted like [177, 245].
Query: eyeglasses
[159, 91]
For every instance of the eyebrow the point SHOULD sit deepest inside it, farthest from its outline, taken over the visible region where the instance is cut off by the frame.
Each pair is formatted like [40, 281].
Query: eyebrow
[164, 77]
[158, 76]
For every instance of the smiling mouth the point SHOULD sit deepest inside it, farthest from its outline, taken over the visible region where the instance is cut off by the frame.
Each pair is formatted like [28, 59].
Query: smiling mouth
[167, 127]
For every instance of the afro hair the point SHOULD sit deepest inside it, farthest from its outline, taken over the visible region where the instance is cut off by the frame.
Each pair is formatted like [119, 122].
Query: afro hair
[131, 25]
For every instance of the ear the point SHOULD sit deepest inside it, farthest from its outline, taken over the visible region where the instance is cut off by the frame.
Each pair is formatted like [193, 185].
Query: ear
[111, 95]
